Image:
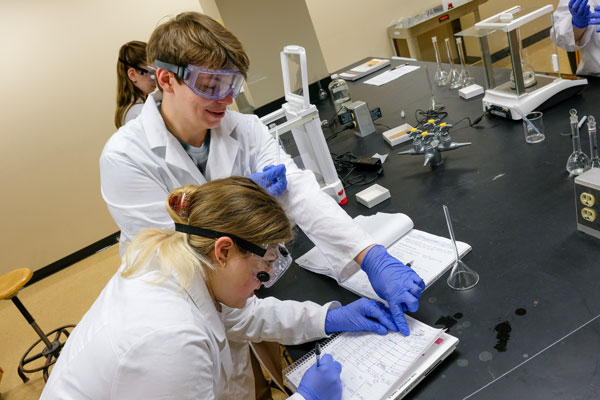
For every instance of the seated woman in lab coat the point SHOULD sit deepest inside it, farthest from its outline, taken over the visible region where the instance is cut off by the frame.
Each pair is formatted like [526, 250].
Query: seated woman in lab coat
[166, 323]
[134, 81]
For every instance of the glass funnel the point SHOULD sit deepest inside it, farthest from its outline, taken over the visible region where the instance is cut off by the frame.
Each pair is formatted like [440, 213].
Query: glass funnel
[461, 277]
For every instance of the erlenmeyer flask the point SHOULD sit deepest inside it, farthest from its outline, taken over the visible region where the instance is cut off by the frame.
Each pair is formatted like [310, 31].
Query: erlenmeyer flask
[453, 76]
[465, 77]
[441, 75]
[461, 277]
[528, 73]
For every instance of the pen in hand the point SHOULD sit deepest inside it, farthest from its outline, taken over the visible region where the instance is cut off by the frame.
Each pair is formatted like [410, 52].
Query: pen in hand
[318, 353]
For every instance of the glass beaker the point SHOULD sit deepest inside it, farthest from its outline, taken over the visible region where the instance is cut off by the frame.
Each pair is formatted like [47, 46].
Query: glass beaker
[578, 161]
[533, 127]
[441, 75]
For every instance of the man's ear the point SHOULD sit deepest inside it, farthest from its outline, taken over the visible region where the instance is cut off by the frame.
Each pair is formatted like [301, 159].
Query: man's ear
[223, 249]
[131, 74]
[165, 80]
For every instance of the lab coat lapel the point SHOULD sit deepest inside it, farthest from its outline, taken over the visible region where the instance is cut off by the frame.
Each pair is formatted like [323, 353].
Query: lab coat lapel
[223, 149]
[159, 137]
[200, 296]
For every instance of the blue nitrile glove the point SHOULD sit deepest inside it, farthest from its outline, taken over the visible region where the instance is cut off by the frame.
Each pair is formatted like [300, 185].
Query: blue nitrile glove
[322, 382]
[398, 284]
[272, 179]
[360, 315]
[580, 13]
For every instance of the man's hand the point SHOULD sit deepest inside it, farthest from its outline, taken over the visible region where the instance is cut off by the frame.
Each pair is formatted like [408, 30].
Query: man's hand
[398, 284]
[272, 179]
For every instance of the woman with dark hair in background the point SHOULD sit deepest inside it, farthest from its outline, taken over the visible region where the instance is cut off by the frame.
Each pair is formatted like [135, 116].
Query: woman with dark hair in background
[134, 81]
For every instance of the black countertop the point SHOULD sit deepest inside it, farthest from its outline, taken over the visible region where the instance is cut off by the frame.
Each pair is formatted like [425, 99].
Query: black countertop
[529, 329]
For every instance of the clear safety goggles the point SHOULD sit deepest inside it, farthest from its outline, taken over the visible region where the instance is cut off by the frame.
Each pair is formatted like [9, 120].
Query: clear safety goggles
[146, 69]
[207, 83]
[270, 267]
[269, 262]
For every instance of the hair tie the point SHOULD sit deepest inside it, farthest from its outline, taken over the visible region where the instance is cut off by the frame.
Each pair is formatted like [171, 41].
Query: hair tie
[180, 204]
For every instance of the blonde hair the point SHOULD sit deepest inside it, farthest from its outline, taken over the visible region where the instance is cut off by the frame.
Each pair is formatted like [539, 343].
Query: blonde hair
[234, 205]
[194, 38]
[130, 54]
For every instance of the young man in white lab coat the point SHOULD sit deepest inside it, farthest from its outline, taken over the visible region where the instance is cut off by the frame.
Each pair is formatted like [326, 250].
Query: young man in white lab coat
[186, 135]
[575, 24]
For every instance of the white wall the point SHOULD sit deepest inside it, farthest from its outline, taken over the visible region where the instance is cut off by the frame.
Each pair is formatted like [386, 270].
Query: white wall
[349, 30]
[57, 108]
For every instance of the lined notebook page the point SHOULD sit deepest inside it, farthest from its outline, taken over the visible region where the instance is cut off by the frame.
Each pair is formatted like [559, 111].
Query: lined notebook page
[371, 364]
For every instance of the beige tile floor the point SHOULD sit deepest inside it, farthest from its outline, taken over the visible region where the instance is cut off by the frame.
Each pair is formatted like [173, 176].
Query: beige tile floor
[61, 299]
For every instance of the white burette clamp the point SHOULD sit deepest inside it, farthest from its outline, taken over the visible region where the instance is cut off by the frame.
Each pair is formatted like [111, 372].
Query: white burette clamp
[302, 119]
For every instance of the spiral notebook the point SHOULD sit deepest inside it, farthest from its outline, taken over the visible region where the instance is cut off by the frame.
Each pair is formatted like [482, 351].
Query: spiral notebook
[375, 366]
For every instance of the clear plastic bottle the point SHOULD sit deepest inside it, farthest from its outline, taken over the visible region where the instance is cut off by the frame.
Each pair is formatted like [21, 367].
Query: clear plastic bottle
[340, 94]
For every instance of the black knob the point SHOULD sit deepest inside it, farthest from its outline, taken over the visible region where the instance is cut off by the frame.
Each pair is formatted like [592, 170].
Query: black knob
[283, 251]
[263, 276]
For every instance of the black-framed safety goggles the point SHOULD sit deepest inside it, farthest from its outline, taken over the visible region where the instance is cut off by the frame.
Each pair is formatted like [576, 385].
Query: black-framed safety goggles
[273, 259]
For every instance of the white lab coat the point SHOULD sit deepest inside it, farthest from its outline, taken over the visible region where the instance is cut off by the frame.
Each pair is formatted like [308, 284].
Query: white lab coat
[589, 44]
[142, 162]
[134, 111]
[142, 340]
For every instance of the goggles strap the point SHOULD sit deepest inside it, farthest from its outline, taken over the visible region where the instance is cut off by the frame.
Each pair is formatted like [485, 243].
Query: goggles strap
[136, 67]
[176, 69]
[208, 233]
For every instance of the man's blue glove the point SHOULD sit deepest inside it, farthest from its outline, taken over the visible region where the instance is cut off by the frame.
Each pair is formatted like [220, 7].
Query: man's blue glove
[322, 382]
[272, 179]
[360, 315]
[398, 284]
[580, 13]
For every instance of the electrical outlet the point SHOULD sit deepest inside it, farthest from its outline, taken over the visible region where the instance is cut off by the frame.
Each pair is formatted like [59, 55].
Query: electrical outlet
[587, 202]
[589, 214]
[587, 199]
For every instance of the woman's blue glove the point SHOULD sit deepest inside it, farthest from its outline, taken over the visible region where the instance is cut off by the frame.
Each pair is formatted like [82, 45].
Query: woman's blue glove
[580, 13]
[398, 284]
[322, 382]
[360, 315]
[272, 179]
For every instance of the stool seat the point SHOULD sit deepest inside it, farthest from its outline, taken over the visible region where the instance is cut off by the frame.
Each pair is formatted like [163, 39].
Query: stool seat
[11, 282]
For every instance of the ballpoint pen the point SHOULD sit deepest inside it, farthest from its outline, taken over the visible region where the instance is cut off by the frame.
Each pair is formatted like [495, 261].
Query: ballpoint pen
[318, 353]
[409, 264]
[398, 66]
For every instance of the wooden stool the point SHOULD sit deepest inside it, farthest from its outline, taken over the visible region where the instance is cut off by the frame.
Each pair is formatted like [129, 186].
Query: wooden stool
[10, 283]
